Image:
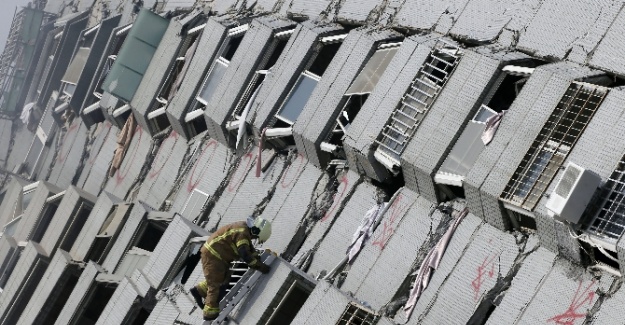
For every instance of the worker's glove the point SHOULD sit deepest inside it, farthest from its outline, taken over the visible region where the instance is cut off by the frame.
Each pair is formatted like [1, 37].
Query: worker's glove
[263, 268]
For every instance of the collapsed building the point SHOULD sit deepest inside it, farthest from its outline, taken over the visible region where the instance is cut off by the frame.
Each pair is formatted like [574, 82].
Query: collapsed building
[422, 162]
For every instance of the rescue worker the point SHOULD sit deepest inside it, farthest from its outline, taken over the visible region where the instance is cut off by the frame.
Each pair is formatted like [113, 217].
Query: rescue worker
[229, 243]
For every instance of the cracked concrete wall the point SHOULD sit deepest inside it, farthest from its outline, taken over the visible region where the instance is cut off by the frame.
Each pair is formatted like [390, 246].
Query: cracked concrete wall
[163, 171]
[205, 174]
[609, 312]
[471, 244]
[498, 21]
[388, 257]
[575, 27]
[346, 183]
[255, 47]
[120, 303]
[76, 299]
[245, 191]
[89, 231]
[27, 273]
[160, 66]
[457, 103]
[326, 102]
[18, 153]
[165, 312]
[209, 44]
[124, 238]
[131, 167]
[290, 202]
[310, 9]
[50, 285]
[335, 243]
[303, 44]
[361, 11]
[378, 108]
[325, 305]
[491, 172]
[429, 14]
[100, 155]
[66, 217]
[69, 154]
[606, 54]
[568, 291]
[6, 129]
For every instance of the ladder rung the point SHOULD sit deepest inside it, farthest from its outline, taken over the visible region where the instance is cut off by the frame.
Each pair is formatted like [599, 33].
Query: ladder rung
[432, 76]
[400, 122]
[391, 138]
[436, 68]
[399, 111]
[421, 81]
[387, 147]
[423, 92]
[420, 111]
[417, 100]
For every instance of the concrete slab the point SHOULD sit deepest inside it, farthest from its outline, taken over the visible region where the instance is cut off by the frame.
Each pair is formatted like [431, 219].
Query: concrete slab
[429, 14]
[69, 155]
[101, 150]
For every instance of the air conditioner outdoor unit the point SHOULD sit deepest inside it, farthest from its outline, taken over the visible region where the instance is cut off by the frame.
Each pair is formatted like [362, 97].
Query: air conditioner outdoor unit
[573, 193]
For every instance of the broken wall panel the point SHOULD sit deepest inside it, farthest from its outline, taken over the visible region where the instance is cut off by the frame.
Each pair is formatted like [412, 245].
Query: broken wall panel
[78, 297]
[120, 305]
[18, 153]
[96, 166]
[12, 193]
[607, 54]
[310, 9]
[125, 237]
[568, 21]
[523, 287]
[290, 202]
[326, 101]
[69, 155]
[223, 7]
[134, 159]
[325, 305]
[257, 43]
[346, 183]
[53, 282]
[429, 14]
[336, 242]
[466, 278]
[359, 11]
[455, 106]
[165, 312]
[204, 175]
[378, 270]
[524, 120]
[70, 217]
[32, 217]
[245, 192]
[294, 59]
[21, 285]
[101, 210]
[570, 292]
[164, 170]
[483, 21]
[379, 107]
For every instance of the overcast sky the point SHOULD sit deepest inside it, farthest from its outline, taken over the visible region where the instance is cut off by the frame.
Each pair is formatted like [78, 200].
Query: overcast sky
[7, 9]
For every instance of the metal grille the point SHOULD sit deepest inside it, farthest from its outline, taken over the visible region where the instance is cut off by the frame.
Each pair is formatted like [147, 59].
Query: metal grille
[418, 99]
[553, 144]
[610, 218]
[11, 49]
[357, 315]
[565, 186]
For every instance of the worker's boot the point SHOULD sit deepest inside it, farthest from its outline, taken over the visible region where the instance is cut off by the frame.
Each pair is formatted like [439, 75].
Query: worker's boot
[197, 296]
[210, 313]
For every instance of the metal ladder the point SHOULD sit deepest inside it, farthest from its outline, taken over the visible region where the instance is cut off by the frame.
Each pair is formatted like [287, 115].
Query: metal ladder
[239, 290]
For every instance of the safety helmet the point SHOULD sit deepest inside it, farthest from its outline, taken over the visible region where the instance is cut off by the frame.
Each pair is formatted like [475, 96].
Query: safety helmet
[263, 229]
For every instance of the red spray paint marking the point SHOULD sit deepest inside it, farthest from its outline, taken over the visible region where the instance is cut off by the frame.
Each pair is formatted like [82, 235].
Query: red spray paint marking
[286, 184]
[236, 181]
[337, 198]
[192, 184]
[107, 126]
[157, 171]
[396, 210]
[61, 156]
[120, 175]
[486, 269]
[574, 313]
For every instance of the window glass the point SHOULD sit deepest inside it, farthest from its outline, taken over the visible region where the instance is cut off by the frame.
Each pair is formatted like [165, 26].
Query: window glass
[294, 105]
[212, 81]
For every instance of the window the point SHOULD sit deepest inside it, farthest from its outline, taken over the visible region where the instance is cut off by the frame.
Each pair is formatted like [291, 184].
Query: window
[72, 74]
[109, 229]
[194, 205]
[416, 102]
[553, 144]
[297, 98]
[94, 303]
[290, 299]
[609, 220]
[357, 315]
[360, 89]
[116, 43]
[49, 209]
[73, 229]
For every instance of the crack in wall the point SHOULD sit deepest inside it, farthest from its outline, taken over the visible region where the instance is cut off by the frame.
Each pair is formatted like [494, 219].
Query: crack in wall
[92, 136]
[157, 140]
[260, 207]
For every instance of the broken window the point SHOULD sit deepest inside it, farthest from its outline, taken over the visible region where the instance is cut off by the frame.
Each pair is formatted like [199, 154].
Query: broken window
[355, 314]
[608, 222]
[109, 230]
[48, 211]
[284, 309]
[416, 102]
[360, 89]
[269, 60]
[72, 74]
[553, 144]
[73, 229]
[93, 304]
[173, 80]
[118, 40]
[44, 134]
[218, 69]
[297, 98]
